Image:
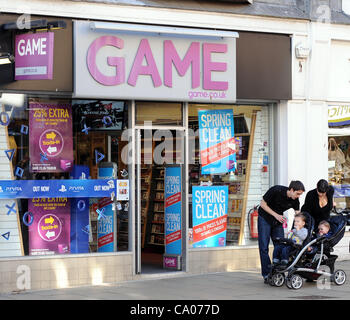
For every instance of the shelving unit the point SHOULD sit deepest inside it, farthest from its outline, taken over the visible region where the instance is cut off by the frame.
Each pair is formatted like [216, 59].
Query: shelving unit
[146, 195]
[156, 213]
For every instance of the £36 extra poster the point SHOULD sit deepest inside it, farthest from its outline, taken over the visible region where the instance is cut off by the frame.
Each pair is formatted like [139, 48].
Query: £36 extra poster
[50, 136]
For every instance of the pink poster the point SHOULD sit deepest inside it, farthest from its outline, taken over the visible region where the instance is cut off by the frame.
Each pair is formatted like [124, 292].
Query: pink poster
[49, 232]
[50, 137]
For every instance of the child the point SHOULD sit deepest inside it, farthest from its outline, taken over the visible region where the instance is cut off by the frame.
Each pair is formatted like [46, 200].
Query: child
[298, 235]
[324, 229]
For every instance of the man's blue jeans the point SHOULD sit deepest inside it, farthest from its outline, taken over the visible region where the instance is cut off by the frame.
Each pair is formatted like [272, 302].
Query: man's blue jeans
[267, 231]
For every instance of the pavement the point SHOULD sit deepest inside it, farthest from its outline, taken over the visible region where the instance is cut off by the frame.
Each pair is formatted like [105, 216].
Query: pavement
[237, 285]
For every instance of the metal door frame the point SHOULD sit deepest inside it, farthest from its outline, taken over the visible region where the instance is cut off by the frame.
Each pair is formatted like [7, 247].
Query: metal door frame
[136, 191]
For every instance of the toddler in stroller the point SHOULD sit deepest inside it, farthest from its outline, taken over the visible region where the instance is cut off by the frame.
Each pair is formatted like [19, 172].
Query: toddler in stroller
[298, 234]
[308, 265]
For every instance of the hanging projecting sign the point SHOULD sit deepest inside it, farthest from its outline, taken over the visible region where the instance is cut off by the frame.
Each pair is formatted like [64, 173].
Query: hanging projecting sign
[50, 136]
[338, 115]
[216, 141]
[34, 56]
[112, 63]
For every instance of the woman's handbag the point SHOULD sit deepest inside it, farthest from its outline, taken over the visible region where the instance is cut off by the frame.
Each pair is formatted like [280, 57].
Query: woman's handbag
[334, 152]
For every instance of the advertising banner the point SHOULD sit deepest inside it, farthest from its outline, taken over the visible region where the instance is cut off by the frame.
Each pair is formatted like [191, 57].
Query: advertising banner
[79, 231]
[107, 220]
[49, 233]
[173, 210]
[106, 231]
[209, 216]
[34, 56]
[50, 136]
[72, 188]
[216, 141]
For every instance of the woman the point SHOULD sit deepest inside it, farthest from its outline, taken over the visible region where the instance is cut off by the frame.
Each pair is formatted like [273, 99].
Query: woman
[319, 202]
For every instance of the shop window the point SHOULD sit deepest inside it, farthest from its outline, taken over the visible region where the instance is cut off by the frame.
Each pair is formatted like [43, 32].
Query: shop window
[72, 144]
[339, 167]
[159, 113]
[245, 175]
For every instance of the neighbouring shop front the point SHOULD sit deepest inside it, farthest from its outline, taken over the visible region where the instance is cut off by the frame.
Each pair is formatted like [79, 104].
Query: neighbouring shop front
[150, 164]
[338, 152]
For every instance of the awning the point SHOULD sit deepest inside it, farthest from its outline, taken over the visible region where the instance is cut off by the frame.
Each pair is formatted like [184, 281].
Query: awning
[338, 132]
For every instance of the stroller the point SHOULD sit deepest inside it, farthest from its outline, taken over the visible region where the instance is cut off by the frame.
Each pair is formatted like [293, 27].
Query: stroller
[305, 265]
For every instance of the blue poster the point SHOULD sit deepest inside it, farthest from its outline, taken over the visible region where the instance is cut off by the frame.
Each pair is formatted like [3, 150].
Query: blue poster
[107, 220]
[173, 210]
[216, 141]
[79, 221]
[209, 216]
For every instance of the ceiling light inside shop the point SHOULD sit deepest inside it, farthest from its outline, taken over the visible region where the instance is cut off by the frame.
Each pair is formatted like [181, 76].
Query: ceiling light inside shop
[12, 99]
[6, 58]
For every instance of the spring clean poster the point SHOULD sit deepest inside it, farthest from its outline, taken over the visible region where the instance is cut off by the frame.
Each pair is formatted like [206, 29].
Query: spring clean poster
[209, 216]
[216, 141]
[50, 136]
[173, 206]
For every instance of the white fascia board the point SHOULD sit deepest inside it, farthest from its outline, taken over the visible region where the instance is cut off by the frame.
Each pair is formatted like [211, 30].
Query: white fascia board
[154, 16]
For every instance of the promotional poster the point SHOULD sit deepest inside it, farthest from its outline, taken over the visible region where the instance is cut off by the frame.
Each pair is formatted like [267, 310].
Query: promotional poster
[79, 233]
[216, 141]
[50, 136]
[209, 216]
[173, 206]
[49, 233]
[70, 188]
[107, 220]
[98, 115]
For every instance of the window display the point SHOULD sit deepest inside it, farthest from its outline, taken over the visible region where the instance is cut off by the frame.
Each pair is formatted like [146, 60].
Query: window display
[228, 147]
[339, 169]
[72, 185]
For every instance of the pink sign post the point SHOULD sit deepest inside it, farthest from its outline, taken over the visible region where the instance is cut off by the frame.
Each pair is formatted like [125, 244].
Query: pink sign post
[34, 56]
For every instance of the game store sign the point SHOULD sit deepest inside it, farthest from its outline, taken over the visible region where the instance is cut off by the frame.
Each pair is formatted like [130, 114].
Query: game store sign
[112, 63]
[34, 56]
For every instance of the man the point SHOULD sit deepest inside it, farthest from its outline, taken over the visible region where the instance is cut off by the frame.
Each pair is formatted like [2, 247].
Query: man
[275, 201]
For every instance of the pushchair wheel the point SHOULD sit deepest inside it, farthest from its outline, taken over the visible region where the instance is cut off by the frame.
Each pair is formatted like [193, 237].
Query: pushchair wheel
[295, 282]
[278, 279]
[339, 277]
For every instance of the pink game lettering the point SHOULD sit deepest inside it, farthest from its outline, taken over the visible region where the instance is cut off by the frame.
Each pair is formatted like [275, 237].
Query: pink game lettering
[144, 64]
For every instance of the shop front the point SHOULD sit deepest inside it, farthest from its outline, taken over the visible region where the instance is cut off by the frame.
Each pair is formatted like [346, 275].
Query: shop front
[338, 152]
[144, 162]
[198, 161]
